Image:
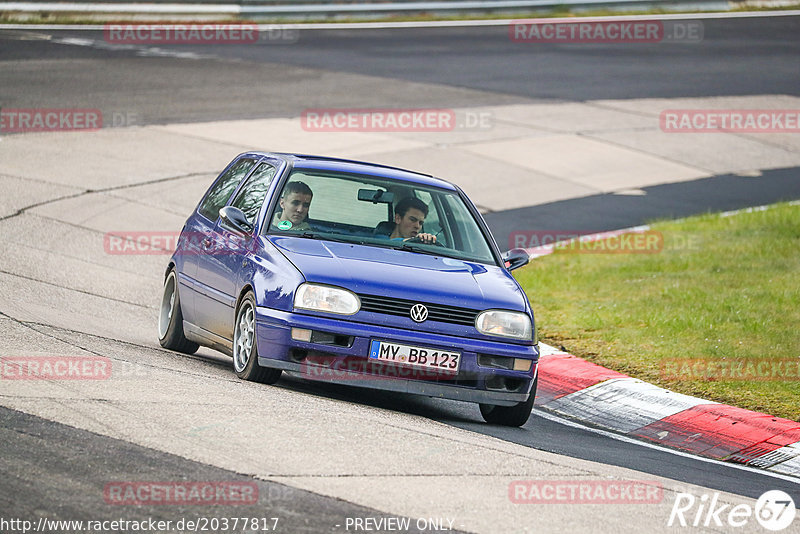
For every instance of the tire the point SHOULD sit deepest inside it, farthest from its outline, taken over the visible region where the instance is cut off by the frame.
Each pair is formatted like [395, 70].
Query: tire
[516, 415]
[170, 318]
[245, 350]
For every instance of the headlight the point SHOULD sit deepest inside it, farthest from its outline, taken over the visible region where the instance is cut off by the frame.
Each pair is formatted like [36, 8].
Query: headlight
[326, 299]
[504, 323]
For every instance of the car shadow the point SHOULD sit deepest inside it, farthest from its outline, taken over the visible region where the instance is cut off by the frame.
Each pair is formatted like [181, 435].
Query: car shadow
[442, 410]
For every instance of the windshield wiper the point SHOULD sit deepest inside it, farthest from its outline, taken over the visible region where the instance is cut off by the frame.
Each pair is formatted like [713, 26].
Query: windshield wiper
[328, 237]
[438, 251]
[411, 248]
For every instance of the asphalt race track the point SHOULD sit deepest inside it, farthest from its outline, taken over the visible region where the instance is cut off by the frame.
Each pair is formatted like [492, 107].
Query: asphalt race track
[319, 454]
[467, 67]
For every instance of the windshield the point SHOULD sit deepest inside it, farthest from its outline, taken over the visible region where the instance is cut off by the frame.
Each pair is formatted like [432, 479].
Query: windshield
[379, 212]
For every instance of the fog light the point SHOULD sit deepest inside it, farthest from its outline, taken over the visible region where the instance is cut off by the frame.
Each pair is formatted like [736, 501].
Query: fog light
[522, 365]
[301, 334]
[498, 362]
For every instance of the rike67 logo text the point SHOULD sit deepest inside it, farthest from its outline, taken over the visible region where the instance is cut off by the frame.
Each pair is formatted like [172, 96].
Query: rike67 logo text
[774, 511]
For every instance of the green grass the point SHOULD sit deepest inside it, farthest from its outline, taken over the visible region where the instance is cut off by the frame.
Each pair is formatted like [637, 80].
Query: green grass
[723, 289]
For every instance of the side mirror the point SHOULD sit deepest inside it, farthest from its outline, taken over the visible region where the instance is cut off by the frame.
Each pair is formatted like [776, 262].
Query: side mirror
[516, 258]
[233, 220]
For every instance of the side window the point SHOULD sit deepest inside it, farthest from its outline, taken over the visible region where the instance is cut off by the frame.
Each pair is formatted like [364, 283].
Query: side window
[219, 194]
[471, 239]
[251, 195]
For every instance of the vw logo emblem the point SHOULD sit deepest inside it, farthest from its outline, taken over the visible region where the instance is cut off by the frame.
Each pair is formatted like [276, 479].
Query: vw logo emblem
[419, 313]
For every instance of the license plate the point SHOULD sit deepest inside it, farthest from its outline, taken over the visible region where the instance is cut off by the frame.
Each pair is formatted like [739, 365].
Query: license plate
[422, 357]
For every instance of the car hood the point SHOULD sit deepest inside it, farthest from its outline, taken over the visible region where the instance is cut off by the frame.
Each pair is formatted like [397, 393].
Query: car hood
[402, 274]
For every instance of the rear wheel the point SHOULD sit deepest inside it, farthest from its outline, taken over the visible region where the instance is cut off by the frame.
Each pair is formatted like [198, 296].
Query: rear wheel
[516, 415]
[170, 318]
[245, 349]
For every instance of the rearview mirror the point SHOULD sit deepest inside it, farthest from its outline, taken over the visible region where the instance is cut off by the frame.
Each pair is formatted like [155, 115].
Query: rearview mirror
[516, 258]
[375, 196]
[234, 220]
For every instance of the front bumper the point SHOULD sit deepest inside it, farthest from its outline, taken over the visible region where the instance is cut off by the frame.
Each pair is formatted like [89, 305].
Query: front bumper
[342, 357]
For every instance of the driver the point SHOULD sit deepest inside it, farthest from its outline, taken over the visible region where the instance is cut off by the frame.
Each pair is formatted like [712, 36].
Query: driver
[294, 204]
[409, 215]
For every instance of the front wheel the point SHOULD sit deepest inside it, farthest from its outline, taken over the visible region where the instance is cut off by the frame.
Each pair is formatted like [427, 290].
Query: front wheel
[245, 349]
[516, 415]
[170, 318]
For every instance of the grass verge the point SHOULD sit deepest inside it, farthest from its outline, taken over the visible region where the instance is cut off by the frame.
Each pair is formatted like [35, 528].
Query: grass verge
[715, 313]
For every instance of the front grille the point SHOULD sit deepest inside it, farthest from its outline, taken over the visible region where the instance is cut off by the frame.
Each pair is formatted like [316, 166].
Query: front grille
[402, 307]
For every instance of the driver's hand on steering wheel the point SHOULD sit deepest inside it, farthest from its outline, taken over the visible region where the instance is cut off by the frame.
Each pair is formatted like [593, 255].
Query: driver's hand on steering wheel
[428, 239]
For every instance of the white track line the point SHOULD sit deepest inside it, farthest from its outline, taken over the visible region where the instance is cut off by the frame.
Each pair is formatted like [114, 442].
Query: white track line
[423, 24]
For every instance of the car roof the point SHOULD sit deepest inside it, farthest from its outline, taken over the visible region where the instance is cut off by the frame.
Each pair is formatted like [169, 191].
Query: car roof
[306, 161]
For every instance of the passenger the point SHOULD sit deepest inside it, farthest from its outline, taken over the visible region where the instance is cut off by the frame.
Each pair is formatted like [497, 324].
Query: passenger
[294, 204]
[409, 215]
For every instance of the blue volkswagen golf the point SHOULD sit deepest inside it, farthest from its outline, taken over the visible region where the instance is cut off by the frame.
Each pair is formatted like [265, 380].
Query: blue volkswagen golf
[357, 273]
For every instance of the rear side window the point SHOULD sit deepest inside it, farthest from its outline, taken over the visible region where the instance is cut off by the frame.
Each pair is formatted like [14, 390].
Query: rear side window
[218, 196]
[251, 195]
